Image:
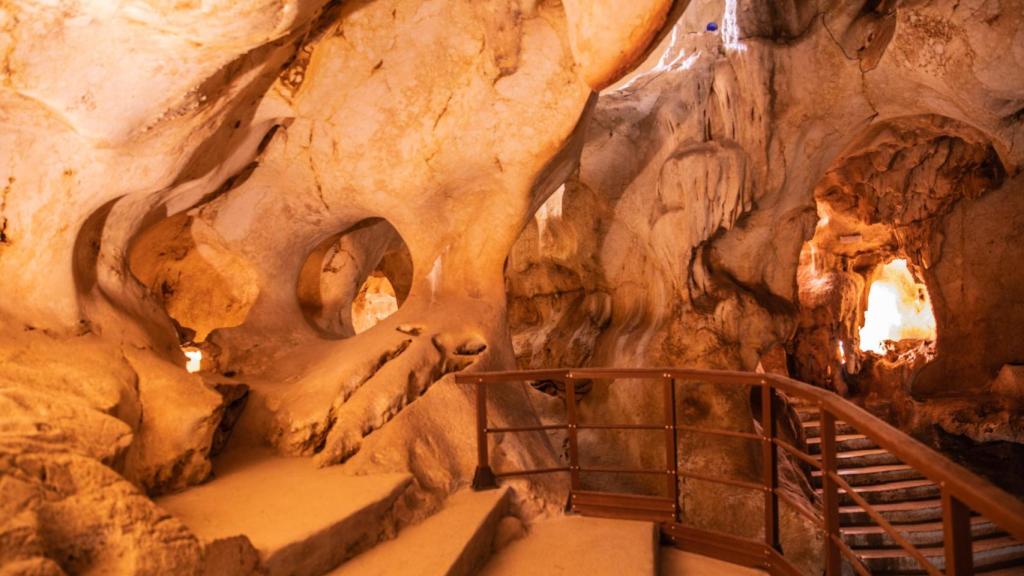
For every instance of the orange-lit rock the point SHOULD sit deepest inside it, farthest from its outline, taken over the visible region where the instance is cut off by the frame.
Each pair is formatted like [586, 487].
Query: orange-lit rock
[168, 172]
[340, 204]
[898, 308]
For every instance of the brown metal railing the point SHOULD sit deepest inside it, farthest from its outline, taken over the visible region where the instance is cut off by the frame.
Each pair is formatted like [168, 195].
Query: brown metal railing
[961, 490]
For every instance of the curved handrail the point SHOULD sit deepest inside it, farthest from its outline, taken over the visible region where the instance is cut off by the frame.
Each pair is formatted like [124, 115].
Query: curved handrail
[971, 489]
[977, 493]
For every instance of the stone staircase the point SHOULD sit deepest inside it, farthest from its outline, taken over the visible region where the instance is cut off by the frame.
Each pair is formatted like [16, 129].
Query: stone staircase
[269, 515]
[906, 499]
[577, 545]
[455, 541]
[262, 513]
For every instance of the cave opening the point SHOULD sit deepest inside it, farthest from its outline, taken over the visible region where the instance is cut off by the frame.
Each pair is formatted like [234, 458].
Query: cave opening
[874, 291]
[194, 358]
[202, 283]
[375, 301]
[355, 279]
[899, 310]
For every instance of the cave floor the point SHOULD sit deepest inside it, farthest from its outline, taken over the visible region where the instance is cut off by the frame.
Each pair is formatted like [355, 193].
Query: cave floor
[577, 545]
[675, 562]
[294, 514]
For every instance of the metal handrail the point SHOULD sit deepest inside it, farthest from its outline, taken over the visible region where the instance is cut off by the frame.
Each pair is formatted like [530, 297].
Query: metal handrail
[962, 490]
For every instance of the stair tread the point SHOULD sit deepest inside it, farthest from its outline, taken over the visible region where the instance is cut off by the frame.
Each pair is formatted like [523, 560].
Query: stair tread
[468, 521]
[864, 452]
[839, 438]
[587, 545]
[915, 527]
[905, 505]
[817, 423]
[867, 469]
[980, 545]
[1014, 570]
[886, 486]
[300, 518]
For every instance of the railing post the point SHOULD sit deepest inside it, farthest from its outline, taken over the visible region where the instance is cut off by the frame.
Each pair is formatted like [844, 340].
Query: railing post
[956, 533]
[830, 494]
[570, 416]
[770, 456]
[484, 478]
[671, 445]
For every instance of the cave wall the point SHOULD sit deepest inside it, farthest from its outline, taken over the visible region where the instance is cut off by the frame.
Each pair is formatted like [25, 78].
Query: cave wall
[888, 197]
[243, 137]
[977, 290]
[168, 170]
[678, 241]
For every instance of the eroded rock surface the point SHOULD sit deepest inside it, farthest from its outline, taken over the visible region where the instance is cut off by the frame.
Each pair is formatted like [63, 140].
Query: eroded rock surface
[170, 184]
[228, 174]
[679, 240]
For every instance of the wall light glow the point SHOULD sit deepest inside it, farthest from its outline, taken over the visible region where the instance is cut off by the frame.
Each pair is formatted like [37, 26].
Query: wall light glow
[195, 359]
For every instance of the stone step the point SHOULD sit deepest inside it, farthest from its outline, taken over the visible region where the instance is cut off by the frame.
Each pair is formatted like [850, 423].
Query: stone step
[844, 442]
[867, 457]
[899, 491]
[866, 475]
[575, 545]
[285, 514]
[1013, 568]
[915, 511]
[995, 553]
[676, 562]
[455, 541]
[924, 534]
[812, 428]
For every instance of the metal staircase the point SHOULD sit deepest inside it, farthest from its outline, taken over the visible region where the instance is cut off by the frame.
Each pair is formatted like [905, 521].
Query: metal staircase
[886, 503]
[908, 500]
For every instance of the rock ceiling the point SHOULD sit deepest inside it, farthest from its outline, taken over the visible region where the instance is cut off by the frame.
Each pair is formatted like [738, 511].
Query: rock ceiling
[229, 173]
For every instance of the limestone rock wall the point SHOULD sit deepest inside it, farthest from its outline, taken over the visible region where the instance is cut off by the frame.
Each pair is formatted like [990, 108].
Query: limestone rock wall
[230, 173]
[976, 280]
[101, 139]
[169, 170]
[678, 241]
[890, 198]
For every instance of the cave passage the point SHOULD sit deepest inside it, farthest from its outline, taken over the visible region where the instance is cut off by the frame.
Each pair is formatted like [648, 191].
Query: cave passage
[899, 308]
[375, 301]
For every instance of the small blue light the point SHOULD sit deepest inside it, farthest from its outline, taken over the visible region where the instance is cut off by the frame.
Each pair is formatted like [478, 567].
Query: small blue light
[712, 27]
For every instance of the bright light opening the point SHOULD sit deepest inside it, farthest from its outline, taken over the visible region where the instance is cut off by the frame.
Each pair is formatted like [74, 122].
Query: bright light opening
[551, 209]
[898, 309]
[195, 359]
[375, 301]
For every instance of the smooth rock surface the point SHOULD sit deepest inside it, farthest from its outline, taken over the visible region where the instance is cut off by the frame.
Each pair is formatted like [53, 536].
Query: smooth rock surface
[576, 545]
[226, 175]
[301, 519]
[455, 541]
[170, 169]
[675, 562]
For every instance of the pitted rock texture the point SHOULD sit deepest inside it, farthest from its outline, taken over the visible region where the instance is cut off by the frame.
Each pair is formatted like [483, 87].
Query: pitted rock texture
[678, 241]
[226, 175]
[67, 513]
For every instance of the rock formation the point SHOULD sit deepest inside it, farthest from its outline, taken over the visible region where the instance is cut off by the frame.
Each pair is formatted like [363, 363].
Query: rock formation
[679, 240]
[167, 186]
[226, 176]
